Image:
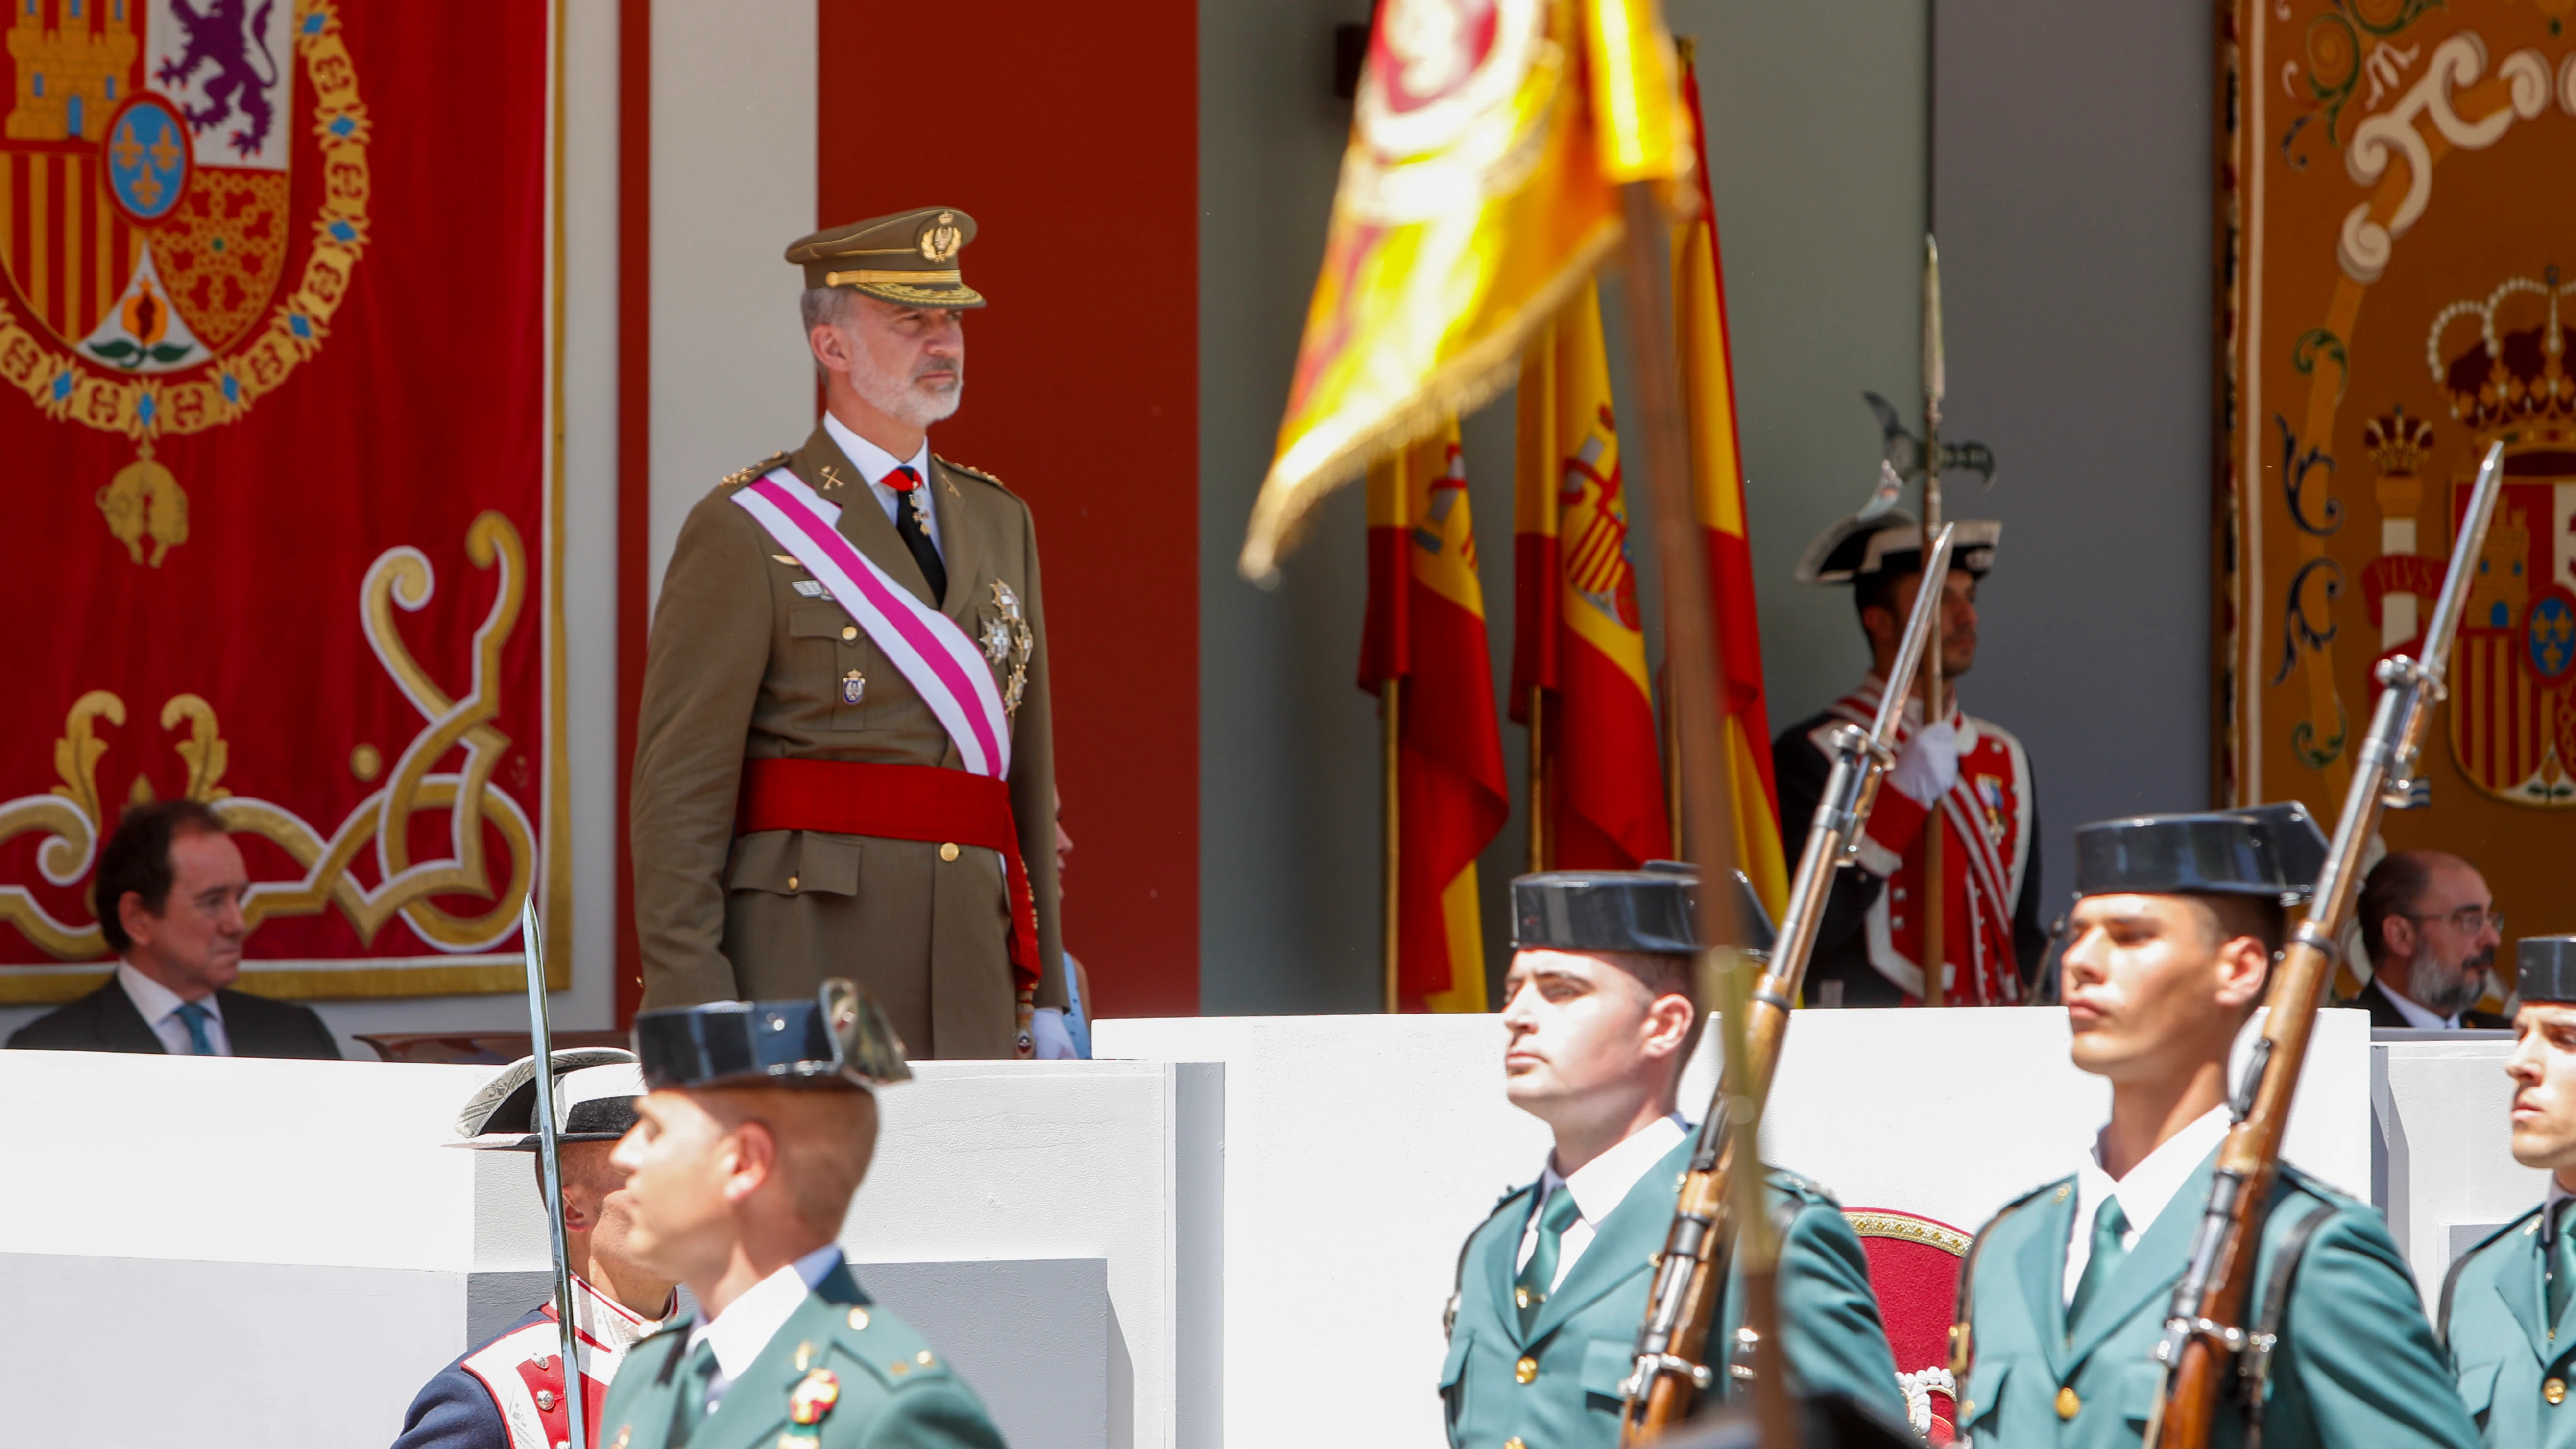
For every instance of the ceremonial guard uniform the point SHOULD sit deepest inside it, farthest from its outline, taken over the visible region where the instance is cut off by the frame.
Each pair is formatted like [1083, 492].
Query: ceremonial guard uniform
[508, 1393]
[2064, 1294]
[843, 769]
[2505, 1318]
[838, 1370]
[1541, 1367]
[1869, 947]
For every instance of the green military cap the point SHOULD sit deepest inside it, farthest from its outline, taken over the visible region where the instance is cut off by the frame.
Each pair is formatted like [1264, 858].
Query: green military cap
[909, 257]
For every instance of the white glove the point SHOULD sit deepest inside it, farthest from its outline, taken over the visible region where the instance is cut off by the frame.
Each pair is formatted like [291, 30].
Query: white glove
[1929, 765]
[1051, 1041]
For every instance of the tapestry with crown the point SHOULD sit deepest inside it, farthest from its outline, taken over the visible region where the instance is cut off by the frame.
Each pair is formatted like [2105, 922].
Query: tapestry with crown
[2397, 288]
[278, 489]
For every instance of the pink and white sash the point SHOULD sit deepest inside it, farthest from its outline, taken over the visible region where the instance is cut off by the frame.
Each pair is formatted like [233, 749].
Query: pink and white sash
[934, 655]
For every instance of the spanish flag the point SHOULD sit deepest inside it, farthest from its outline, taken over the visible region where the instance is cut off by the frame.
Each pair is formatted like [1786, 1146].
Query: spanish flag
[1425, 635]
[1478, 191]
[1578, 642]
[1708, 395]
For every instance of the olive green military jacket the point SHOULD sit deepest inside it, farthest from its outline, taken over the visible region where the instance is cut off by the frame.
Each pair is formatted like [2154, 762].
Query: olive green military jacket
[839, 1373]
[2511, 1364]
[2355, 1364]
[1557, 1386]
[743, 664]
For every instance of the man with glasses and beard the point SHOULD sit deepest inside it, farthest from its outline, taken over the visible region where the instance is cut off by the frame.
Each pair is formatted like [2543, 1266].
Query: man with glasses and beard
[2431, 928]
[844, 765]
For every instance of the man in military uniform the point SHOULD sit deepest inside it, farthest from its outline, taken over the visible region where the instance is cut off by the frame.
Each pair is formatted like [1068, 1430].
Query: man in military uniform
[760, 1122]
[508, 1393]
[1600, 1016]
[2505, 1318]
[844, 764]
[1869, 947]
[2063, 1296]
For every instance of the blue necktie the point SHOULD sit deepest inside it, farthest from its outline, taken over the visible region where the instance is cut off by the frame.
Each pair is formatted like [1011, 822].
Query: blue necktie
[196, 1017]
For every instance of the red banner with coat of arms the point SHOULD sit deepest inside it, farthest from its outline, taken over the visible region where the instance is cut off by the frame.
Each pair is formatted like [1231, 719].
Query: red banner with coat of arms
[2400, 286]
[276, 392]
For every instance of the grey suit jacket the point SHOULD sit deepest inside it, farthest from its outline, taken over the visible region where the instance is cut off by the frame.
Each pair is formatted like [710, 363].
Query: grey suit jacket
[106, 1021]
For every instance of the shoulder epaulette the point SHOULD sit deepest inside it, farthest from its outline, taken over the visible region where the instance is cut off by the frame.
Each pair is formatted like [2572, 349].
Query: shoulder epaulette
[740, 476]
[972, 473]
[2315, 1186]
[1790, 1182]
[1508, 1194]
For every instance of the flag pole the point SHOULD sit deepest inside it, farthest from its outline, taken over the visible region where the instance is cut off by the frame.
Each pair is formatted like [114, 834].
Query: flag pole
[1932, 914]
[1691, 652]
[1391, 717]
[1538, 777]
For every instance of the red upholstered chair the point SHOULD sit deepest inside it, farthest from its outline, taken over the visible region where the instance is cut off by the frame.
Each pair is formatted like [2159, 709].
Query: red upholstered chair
[1914, 1266]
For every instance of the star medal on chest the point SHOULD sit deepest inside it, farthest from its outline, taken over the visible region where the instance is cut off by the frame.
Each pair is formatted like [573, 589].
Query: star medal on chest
[1008, 642]
[813, 1397]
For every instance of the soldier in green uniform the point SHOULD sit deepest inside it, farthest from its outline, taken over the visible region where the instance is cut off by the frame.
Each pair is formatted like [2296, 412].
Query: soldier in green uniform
[759, 1121]
[2505, 1313]
[844, 765]
[1552, 1288]
[2063, 1296]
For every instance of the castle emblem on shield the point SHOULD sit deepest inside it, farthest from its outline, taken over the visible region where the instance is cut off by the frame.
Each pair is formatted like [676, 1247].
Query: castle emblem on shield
[163, 269]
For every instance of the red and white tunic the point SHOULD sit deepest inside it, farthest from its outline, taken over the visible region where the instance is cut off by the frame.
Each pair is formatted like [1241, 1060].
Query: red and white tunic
[1985, 862]
[523, 1368]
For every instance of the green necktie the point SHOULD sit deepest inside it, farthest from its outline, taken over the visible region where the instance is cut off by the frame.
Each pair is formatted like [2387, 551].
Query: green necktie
[2110, 1248]
[2562, 1271]
[696, 1378]
[1530, 1289]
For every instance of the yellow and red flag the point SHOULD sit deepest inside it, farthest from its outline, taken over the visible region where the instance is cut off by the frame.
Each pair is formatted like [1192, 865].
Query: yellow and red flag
[1426, 633]
[1478, 191]
[1578, 640]
[1708, 396]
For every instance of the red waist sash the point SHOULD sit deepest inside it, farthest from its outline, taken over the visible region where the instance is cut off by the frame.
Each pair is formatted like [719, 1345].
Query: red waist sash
[897, 802]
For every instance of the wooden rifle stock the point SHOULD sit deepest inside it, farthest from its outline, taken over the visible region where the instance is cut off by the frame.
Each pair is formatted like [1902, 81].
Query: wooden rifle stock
[2205, 1330]
[1673, 1362]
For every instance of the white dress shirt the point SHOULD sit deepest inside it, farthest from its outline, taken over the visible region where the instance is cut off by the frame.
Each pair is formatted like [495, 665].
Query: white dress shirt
[875, 462]
[2417, 1016]
[751, 1321]
[2144, 1193]
[1599, 1186]
[158, 1005]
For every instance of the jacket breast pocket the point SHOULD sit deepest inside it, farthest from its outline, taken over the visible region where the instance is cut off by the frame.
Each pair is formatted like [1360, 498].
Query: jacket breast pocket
[1453, 1378]
[2477, 1390]
[1606, 1362]
[794, 862]
[1981, 1409]
[840, 654]
[2135, 1388]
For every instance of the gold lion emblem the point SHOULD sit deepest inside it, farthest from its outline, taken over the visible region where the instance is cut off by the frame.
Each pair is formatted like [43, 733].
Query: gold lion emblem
[939, 239]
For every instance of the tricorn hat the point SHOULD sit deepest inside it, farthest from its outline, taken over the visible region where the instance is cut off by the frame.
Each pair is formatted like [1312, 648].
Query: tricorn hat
[1892, 543]
[838, 1039]
[2264, 850]
[909, 257]
[2545, 969]
[595, 1092]
[1653, 910]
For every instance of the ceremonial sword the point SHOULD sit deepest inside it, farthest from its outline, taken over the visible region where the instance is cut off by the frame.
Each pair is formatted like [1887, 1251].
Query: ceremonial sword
[550, 1167]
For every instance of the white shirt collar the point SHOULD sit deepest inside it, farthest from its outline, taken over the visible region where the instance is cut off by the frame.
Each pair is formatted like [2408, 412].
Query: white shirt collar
[872, 461]
[2417, 1016]
[1599, 1186]
[752, 1320]
[154, 1001]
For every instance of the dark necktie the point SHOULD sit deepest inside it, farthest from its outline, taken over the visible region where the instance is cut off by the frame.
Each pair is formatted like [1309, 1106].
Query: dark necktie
[2561, 1270]
[911, 502]
[1538, 1276]
[695, 1380]
[2110, 1248]
[195, 1017]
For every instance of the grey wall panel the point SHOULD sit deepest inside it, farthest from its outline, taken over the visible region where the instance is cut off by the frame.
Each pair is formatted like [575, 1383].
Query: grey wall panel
[1031, 1337]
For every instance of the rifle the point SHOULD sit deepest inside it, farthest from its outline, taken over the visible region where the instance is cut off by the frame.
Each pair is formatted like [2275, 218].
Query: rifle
[1672, 1344]
[550, 1165]
[2203, 1331]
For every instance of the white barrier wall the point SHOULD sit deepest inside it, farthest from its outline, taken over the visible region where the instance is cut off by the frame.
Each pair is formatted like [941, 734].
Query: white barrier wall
[2443, 1159]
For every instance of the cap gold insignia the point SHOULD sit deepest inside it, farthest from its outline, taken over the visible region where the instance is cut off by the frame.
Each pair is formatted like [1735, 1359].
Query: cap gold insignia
[813, 1397]
[939, 240]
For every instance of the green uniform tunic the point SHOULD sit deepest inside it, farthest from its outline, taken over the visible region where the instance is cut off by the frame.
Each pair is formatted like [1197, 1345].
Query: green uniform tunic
[2356, 1363]
[1557, 1386]
[887, 1388]
[2511, 1363]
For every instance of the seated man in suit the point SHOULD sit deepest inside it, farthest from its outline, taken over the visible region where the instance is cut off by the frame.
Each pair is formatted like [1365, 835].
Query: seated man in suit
[2431, 928]
[169, 889]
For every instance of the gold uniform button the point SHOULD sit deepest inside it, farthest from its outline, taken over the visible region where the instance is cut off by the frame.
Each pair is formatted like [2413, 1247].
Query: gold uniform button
[1514, 1442]
[858, 1316]
[948, 851]
[849, 632]
[2067, 1403]
[1525, 1370]
[791, 882]
[2555, 1391]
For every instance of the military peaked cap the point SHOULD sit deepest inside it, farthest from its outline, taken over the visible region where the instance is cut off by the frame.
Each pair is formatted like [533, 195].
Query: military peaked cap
[1653, 910]
[1892, 543]
[2266, 850]
[595, 1092]
[2545, 968]
[909, 257]
[840, 1038]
